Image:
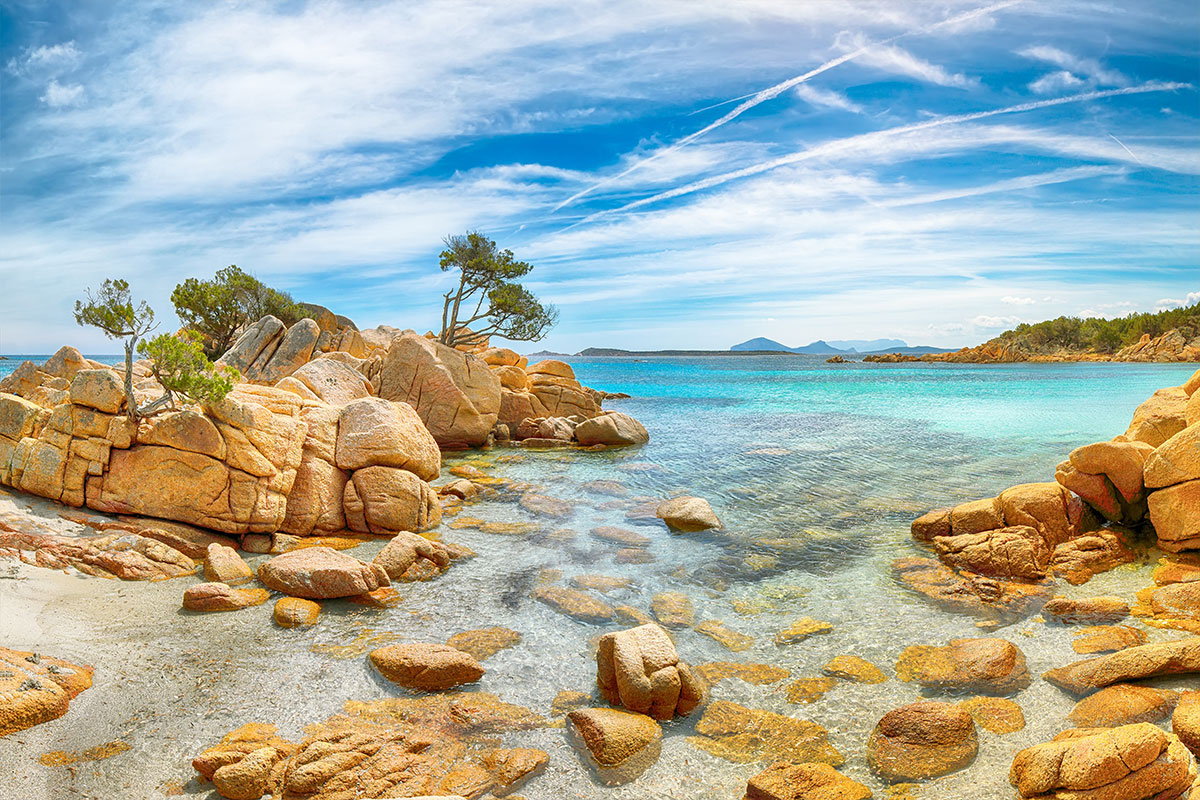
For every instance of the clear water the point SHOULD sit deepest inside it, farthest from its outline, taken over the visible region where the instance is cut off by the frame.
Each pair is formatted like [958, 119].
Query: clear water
[854, 452]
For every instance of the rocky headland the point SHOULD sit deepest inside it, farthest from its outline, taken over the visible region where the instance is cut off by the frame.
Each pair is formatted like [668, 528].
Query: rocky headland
[337, 437]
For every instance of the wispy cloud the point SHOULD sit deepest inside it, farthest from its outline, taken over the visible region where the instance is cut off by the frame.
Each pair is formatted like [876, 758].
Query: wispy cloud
[870, 138]
[1089, 67]
[816, 96]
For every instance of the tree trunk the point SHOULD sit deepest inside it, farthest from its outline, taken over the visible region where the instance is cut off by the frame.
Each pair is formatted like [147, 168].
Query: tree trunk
[130, 400]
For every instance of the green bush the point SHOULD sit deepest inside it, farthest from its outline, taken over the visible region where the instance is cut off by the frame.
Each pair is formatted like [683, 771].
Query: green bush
[180, 365]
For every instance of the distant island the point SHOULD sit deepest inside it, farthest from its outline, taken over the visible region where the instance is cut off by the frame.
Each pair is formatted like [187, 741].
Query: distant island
[849, 347]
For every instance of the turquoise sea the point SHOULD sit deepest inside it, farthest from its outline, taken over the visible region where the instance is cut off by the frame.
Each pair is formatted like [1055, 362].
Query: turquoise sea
[816, 470]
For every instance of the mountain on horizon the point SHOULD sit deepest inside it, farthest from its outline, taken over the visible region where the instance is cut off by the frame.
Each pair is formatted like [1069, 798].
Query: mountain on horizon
[822, 347]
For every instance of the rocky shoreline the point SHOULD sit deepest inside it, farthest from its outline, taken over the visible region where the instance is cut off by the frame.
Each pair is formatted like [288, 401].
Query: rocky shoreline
[338, 439]
[1171, 347]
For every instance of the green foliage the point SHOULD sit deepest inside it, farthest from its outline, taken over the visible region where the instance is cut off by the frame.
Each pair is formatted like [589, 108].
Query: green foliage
[1099, 335]
[180, 365]
[112, 310]
[488, 276]
[218, 308]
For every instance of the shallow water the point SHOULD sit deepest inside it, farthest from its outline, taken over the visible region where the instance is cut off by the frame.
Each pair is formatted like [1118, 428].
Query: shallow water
[853, 453]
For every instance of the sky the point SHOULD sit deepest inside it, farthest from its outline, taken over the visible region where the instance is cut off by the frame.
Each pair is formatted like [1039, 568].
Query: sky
[681, 173]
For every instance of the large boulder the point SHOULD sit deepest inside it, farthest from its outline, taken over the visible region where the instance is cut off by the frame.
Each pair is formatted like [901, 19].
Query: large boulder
[318, 573]
[1016, 552]
[254, 347]
[640, 670]
[223, 565]
[1162, 416]
[1176, 460]
[986, 666]
[613, 429]
[386, 500]
[221, 597]
[1175, 514]
[373, 432]
[333, 381]
[1108, 476]
[456, 395]
[428, 667]
[293, 352]
[1132, 762]
[100, 389]
[65, 362]
[1144, 661]
[406, 549]
[922, 740]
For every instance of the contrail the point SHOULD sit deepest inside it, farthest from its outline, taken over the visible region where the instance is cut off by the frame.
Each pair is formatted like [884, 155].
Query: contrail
[774, 91]
[1126, 149]
[850, 142]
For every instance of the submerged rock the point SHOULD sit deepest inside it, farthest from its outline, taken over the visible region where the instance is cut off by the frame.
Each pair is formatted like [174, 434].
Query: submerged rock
[319, 573]
[484, 643]
[673, 609]
[742, 735]
[1090, 611]
[441, 745]
[784, 781]
[853, 668]
[407, 553]
[922, 740]
[296, 612]
[428, 667]
[1144, 661]
[987, 666]
[574, 603]
[1134, 761]
[725, 636]
[640, 669]
[1123, 704]
[756, 674]
[801, 629]
[995, 714]
[990, 598]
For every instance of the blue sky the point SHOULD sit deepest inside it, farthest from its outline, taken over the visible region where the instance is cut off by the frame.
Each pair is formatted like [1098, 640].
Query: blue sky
[682, 174]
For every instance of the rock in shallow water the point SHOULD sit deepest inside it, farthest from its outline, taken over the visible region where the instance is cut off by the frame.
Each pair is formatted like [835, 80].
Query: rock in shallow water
[742, 735]
[219, 597]
[427, 667]
[922, 740]
[319, 573]
[1144, 661]
[1127, 763]
[687, 514]
[784, 781]
[987, 666]
[296, 612]
[223, 565]
[640, 669]
[1088, 611]
[1123, 704]
[1185, 722]
[622, 744]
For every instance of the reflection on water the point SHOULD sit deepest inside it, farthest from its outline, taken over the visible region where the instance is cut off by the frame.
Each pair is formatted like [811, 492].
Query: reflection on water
[816, 471]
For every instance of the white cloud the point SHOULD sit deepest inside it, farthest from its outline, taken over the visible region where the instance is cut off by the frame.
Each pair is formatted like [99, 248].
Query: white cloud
[59, 95]
[1060, 81]
[1018, 301]
[1191, 299]
[899, 61]
[46, 60]
[988, 322]
[824, 97]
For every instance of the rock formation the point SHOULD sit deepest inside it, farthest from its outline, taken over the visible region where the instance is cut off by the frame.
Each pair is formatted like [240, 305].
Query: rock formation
[640, 669]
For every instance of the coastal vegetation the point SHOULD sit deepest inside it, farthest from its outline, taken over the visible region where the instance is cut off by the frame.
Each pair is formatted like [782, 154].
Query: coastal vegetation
[177, 362]
[487, 278]
[220, 308]
[1101, 335]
